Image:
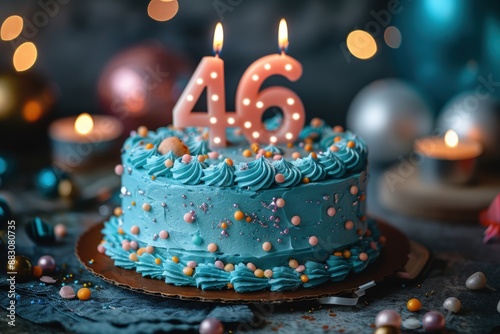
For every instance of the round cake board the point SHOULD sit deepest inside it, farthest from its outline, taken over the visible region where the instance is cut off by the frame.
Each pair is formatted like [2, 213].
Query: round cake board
[393, 258]
[460, 203]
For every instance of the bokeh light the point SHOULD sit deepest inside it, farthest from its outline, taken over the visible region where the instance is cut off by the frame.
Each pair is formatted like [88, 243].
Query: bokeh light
[361, 44]
[392, 37]
[6, 99]
[84, 124]
[25, 56]
[161, 10]
[11, 28]
[32, 111]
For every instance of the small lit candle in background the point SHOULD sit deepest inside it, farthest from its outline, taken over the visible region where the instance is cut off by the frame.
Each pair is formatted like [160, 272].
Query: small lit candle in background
[447, 160]
[253, 102]
[79, 141]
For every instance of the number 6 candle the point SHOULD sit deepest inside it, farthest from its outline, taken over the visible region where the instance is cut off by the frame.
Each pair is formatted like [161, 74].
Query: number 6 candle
[251, 103]
[209, 74]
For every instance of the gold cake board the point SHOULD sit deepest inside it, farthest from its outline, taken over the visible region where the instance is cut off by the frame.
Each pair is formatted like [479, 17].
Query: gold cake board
[461, 203]
[398, 251]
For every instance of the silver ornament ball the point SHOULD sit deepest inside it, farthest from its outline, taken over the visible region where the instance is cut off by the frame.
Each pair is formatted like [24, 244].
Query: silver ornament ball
[474, 116]
[389, 115]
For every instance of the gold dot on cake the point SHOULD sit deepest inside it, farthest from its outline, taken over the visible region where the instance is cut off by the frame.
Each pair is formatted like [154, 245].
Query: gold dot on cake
[201, 158]
[120, 230]
[229, 267]
[149, 146]
[229, 162]
[118, 211]
[266, 246]
[158, 261]
[146, 206]
[308, 147]
[134, 229]
[133, 257]
[337, 139]
[169, 163]
[223, 225]
[141, 251]
[304, 278]
[337, 253]
[149, 249]
[306, 180]
[247, 153]
[268, 154]
[349, 225]
[316, 122]
[175, 259]
[268, 273]
[238, 215]
[212, 247]
[334, 148]
[173, 144]
[346, 253]
[295, 155]
[187, 271]
[293, 263]
[351, 144]
[259, 273]
[142, 131]
[338, 128]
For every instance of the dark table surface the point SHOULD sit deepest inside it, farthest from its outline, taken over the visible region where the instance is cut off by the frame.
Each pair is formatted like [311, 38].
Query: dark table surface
[457, 252]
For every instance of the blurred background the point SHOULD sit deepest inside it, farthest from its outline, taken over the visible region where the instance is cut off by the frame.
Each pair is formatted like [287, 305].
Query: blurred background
[69, 57]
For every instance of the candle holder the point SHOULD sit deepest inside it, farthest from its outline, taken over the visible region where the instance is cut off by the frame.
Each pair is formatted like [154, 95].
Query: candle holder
[447, 161]
[78, 142]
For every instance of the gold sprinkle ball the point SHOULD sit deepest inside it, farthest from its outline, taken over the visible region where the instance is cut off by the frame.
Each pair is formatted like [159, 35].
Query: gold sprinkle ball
[304, 278]
[259, 273]
[293, 263]
[268, 154]
[228, 161]
[120, 230]
[201, 158]
[266, 246]
[295, 155]
[414, 305]
[268, 273]
[229, 267]
[158, 261]
[175, 259]
[83, 294]
[351, 144]
[133, 257]
[188, 271]
[346, 254]
[141, 251]
[223, 226]
[149, 146]
[238, 215]
[142, 131]
[118, 211]
[337, 139]
[305, 180]
[308, 147]
[146, 206]
[247, 153]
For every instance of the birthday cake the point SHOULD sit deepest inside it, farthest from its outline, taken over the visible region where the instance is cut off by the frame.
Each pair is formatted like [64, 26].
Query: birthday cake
[244, 217]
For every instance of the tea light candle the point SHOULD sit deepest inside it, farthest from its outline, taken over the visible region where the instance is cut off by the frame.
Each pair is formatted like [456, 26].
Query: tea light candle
[77, 140]
[447, 160]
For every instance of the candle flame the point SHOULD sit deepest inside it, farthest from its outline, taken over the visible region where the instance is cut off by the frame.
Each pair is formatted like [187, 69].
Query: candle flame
[218, 38]
[283, 35]
[451, 138]
[84, 124]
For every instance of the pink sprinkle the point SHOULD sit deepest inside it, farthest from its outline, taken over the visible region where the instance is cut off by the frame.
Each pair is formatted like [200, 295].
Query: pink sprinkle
[186, 158]
[280, 202]
[188, 218]
[192, 264]
[278, 157]
[251, 266]
[119, 169]
[349, 225]
[296, 220]
[331, 211]
[101, 249]
[213, 155]
[373, 245]
[313, 241]
[354, 190]
[124, 241]
[279, 178]
[261, 151]
[126, 246]
[363, 256]
[134, 245]
[300, 268]
[258, 156]
[219, 264]
[163, 234]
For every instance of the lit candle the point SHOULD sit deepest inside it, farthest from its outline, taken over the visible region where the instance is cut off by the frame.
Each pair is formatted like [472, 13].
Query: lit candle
[448, 159]
[252, 102]
[210, 75]
[78, 140]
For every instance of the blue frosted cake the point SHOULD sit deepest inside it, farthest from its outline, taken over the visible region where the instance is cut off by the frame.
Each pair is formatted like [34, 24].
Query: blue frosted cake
[246, 217]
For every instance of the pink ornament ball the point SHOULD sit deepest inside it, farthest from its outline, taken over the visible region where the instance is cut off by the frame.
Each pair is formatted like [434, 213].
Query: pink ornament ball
[47, 263]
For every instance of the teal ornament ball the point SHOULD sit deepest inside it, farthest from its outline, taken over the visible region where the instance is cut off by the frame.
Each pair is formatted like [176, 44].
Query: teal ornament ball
[40, 232]
[389, 115]
[47, 181]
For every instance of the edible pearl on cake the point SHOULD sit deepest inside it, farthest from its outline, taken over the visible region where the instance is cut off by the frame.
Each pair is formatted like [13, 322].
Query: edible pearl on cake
[146, 206]
[331, 211]
[126, 246]
[219, 264]
[229, 267]
[187, 271]
[188, 218]
[134, 229]
[300, 268]
[133, 257]
[119, 169]
[266, 246]
[349, 225]
[238, 215]
[313, 240]
[192, 264]
[149, 249]
[354, 190]
[259, 273]
[163, 234]
[186, 158]
[134, 245]
[280, 202]
[363, 256]
[212, 248]
[293, 263]
[251, 266]
[279, 178]
[268, 273]
[295, 220]
[169, 163]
